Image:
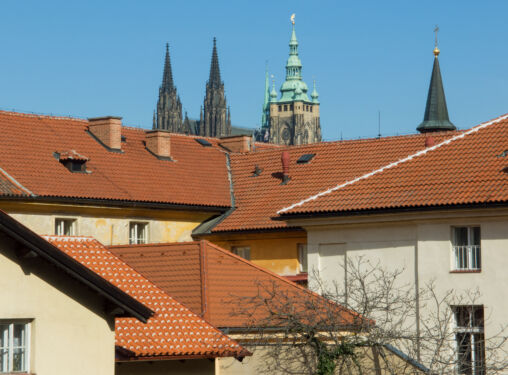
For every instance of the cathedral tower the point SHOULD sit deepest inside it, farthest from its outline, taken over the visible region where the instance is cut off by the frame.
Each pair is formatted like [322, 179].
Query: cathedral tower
[294, 118]
[169, 107]
[215, 116]
[436, 111]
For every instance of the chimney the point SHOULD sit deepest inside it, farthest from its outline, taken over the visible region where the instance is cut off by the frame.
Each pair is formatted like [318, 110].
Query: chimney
[237, 143]
[286, 159]
[158, 142]
[108, 131]
[429, 141]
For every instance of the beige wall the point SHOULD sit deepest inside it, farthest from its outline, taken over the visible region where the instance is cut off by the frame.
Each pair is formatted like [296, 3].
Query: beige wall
[174, 367]
[109, 225]
[421, 244]
[69, 332]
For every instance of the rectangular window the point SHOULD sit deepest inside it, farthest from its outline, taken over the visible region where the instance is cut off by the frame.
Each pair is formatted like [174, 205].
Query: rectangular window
[470, 339]
[302, 256]
[241, 251]
[467, 249]
[14, 346]
[65, 227]
[138, 233]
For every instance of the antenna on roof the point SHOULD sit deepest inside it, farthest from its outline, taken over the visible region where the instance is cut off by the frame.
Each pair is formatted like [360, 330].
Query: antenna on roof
[379, 123]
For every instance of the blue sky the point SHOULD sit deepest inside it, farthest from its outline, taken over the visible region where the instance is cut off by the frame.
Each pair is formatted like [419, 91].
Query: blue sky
[99, 58]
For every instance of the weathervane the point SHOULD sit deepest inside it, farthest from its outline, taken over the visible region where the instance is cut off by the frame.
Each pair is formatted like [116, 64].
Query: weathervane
[293, 18]
[436, 49]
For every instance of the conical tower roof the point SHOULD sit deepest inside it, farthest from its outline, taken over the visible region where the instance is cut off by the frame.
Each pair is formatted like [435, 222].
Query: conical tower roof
[214, 79]
[167, 75]
[436, 111]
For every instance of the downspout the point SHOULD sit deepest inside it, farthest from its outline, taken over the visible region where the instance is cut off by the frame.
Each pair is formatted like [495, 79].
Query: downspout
[417, 299]
[202, 271]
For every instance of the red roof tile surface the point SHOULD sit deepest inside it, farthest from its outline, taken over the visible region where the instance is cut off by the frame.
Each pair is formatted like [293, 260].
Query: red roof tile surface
[470, 168]
[259, 198]
[198, 176]
[173, 331]
[208, 280]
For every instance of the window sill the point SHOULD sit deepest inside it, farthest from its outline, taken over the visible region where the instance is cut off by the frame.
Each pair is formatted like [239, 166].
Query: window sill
[466, 271]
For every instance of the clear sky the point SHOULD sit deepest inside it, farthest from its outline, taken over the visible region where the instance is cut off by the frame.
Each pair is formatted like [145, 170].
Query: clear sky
[94, 58]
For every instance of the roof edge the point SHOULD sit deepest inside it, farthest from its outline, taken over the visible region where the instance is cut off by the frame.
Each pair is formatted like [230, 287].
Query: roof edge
[52, 254]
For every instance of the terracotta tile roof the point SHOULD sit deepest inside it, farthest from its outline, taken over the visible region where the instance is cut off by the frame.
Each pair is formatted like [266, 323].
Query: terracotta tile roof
[207, 279]
[173, 331]
[259, 198]
[198, 176]
[8, 186]
[470, 168]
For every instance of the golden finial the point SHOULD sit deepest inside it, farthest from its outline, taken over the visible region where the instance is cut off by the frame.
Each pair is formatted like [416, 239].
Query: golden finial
[293, 18]
[436, 49]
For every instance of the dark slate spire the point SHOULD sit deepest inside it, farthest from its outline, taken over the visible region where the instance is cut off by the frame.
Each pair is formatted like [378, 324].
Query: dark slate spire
[436, 112]
[169, 107]
[215, 119]
[167, 76]
[214, 79]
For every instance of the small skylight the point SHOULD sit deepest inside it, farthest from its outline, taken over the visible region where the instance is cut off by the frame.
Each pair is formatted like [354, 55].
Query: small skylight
[203, 142]
[304, 159]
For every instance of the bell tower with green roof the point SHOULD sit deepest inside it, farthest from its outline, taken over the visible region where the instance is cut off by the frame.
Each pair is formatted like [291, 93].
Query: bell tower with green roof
[294, 118]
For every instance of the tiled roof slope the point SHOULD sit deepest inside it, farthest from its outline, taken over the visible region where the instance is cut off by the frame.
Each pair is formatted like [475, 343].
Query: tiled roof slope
[198, 176]
[173, 331]
[259, 198]
[208, 280]
[470, 168]
[9, 187]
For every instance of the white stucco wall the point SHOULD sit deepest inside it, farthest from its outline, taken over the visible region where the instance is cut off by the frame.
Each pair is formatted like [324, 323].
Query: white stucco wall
[69, 333]
[395, 240]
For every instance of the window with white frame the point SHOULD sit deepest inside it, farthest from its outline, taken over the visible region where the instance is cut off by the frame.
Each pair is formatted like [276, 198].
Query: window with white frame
[241, 251]
[467, 249]
[469, 334]
[65, 227]
[302, 257]
[138, 233]
[14, 346]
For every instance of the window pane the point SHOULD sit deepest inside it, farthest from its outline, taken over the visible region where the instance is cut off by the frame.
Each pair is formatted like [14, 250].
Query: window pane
[19, 335]
[302, 256]
[18, 363]
[478, 316]
[460, 236]
[479, 353]
[464, 353]
[4, 342]
[475, 236]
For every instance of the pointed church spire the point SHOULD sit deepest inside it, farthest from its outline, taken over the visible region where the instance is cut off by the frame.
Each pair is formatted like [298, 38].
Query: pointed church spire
[436, 111]
[214, 67]
[265, 118]
[167, 76]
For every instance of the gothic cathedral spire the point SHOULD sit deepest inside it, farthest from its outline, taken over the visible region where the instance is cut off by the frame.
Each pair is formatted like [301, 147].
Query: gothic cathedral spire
[169, 107]
[436, 111]
[216, 120]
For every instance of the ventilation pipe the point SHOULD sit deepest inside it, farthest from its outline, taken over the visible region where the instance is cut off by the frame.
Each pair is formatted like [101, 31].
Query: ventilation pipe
[286, 159]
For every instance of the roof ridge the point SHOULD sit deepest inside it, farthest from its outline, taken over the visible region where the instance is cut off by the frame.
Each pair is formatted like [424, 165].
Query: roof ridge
[396, 163]
[68, 238]
[26, 114]
[154, 244]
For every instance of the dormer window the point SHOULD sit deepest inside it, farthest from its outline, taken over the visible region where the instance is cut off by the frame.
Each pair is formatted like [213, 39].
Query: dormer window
[73, 161]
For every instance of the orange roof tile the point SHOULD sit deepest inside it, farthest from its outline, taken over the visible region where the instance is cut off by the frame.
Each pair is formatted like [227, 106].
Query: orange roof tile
[257, 199]
[207, 279]
[469, 168]
[173, 331]
[197, 176]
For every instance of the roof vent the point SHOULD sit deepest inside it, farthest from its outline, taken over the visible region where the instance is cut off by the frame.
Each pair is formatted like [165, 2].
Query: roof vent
[73, 161]
[203, 142]
[285, 159]
[304, 159]
[257, 171]
[429, 141]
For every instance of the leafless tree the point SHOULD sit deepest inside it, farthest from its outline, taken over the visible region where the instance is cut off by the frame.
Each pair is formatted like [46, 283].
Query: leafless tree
[372, 323]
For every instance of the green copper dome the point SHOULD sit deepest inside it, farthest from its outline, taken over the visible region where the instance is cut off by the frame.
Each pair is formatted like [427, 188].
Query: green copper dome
[293, 88]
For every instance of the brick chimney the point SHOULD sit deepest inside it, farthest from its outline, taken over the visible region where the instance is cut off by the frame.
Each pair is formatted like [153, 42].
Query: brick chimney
[108, 131]
[285, 159]
[158, 142]
[429, 141]
[237, 143]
